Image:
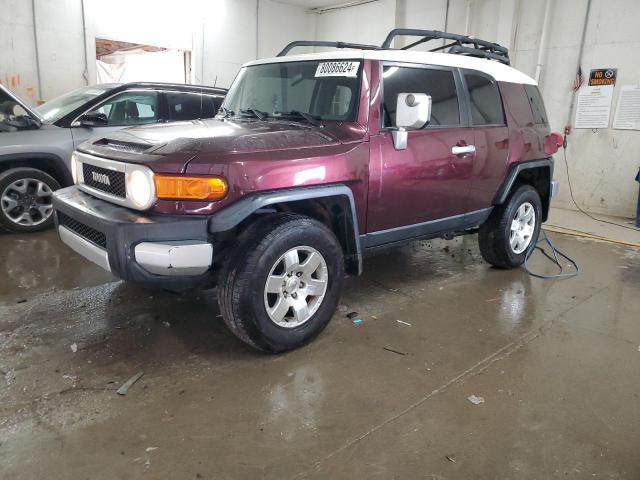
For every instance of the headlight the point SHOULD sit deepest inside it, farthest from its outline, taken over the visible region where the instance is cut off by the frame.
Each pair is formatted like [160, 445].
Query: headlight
[189, 188]
[74, 167]
[140, 188]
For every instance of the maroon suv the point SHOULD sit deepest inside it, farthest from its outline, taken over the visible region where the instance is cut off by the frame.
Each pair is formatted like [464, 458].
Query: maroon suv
[313, 161]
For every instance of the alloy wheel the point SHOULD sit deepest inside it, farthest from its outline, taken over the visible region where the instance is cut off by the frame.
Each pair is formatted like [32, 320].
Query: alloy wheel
[296, 286]
[523, 226]
[27, 202]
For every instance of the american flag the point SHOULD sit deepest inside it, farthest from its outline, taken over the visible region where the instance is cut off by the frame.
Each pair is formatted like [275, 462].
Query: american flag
[578, 81]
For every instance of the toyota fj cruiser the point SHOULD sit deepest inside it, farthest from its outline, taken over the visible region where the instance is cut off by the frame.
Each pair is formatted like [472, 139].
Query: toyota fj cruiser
[313, 161]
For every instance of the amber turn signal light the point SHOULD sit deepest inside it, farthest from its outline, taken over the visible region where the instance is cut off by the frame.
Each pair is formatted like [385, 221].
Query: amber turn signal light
[189, 188]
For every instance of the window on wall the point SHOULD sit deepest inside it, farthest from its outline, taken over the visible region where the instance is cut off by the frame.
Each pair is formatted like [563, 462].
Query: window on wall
[537, 105]
[485, 102]
[440, 84]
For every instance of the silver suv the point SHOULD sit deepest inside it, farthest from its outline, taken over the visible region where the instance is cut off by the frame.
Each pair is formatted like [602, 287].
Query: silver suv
[36, 144]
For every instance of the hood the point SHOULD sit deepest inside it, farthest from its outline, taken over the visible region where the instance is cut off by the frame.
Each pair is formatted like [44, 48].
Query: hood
[7, 96]
[180, 142]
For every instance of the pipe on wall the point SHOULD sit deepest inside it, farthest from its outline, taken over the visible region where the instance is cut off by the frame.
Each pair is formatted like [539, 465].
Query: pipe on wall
[543, 41]
[35, 43]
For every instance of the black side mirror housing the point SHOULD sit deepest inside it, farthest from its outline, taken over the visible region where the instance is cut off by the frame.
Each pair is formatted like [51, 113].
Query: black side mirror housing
[94, 120]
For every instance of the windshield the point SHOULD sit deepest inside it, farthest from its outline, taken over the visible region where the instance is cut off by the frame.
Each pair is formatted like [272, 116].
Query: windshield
[55, 109]
[324, 90]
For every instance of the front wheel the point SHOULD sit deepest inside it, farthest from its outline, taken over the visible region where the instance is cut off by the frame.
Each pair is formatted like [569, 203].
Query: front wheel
[282, 283]
[512, 229]
[25, 200]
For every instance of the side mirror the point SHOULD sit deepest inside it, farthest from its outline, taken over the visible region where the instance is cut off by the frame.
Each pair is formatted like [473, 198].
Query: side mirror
[413, 111]
[94, 120]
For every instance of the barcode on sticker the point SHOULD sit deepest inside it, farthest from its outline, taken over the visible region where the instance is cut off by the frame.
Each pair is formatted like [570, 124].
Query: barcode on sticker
[337, 69]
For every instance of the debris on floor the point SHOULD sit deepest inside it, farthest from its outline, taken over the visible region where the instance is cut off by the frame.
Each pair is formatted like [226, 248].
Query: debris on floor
[352, 315]
[393, 350]
[129, 383]
[21, 300]
[404, 323]
[74, 347]
[476, 400]
[451, 458]
[357, 321]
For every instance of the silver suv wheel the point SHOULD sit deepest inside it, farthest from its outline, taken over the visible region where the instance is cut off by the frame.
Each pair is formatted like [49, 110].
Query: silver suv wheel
[27, 202]
[523, 226]
[296, 286]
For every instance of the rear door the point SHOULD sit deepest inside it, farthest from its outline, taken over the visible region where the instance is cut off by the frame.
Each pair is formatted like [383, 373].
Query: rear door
[428, 182]
[491, 138]
[183, 106]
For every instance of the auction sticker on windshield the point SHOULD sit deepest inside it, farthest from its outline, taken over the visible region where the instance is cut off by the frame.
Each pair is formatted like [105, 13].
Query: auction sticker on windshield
[337, 69]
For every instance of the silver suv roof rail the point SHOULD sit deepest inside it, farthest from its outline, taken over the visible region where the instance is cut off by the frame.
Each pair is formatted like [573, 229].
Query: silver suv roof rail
[461, 44]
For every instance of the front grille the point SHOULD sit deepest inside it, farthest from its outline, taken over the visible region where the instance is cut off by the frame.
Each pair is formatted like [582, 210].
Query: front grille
[105, 180]
[86, 232]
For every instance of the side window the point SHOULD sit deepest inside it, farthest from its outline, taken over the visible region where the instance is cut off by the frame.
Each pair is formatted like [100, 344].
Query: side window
[130, 108]
[537, 105]
[440, 84]
[485, 102]
[191, 106]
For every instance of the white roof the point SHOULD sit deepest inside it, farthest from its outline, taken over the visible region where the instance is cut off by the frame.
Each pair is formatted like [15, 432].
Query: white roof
[499, 71]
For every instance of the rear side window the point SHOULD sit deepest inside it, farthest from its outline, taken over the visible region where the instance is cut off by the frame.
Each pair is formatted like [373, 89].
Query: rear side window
[191, 106]
[440, 84]
[537, 105]
[485, 102]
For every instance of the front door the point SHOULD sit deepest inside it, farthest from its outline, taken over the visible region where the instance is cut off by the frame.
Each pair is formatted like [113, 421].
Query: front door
[424, 187]
[123, 110]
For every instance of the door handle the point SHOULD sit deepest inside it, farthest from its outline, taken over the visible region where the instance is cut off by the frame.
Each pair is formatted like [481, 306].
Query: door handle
[460, 150]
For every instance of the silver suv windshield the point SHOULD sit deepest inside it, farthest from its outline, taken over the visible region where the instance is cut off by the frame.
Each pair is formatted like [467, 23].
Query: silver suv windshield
[308, 90]
[55, 109]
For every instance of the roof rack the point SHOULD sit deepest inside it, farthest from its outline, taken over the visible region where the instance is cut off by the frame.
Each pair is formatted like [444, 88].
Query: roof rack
[320, 43]
[461, 44]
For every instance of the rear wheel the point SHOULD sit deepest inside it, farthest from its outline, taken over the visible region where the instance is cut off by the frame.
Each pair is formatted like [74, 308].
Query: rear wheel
[512, 229]
[281, 286]
[25, 200]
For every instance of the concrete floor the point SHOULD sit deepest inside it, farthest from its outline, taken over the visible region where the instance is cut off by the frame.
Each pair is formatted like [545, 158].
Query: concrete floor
[557, 362]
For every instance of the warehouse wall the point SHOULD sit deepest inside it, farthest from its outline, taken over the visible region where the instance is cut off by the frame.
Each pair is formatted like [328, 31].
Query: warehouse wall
[221, 34]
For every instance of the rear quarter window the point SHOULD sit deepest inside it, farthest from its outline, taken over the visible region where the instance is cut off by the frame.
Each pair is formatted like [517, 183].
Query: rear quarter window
[536, 103]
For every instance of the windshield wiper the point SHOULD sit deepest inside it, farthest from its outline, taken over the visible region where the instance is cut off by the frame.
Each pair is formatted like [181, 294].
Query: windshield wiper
[259, 114]
[227, 113]
[307, 116]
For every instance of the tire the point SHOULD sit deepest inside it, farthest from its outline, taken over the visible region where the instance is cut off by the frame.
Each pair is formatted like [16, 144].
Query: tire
[25, 200]
[243, 297]
[495, 234]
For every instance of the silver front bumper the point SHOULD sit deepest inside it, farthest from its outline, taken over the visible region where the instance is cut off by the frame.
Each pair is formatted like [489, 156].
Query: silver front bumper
[174, 258]
[85, 248]
[182, 258]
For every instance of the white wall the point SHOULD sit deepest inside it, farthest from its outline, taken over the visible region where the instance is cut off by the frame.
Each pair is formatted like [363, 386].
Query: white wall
[366, 23]
[220, 34]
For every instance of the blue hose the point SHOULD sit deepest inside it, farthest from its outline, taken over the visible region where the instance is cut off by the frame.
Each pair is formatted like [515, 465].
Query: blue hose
[554, 259]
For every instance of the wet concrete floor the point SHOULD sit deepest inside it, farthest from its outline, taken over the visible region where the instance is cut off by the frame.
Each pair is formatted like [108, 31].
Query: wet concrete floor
[556, 362]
